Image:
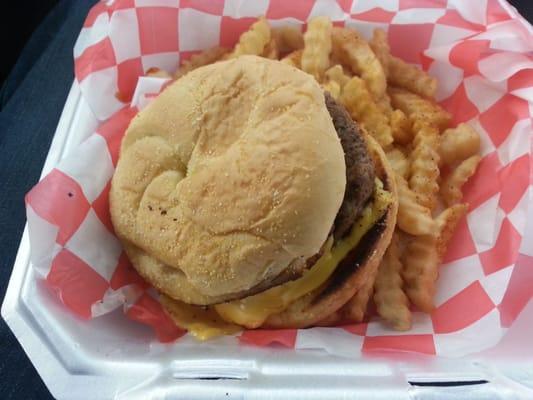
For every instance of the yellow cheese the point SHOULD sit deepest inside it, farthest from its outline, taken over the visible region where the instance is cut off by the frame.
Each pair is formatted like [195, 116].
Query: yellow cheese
[201, 322]
[252, 311]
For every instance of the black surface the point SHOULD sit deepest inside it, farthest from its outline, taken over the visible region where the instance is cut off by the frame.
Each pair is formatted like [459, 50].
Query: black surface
[461, 383]
[525, 7]
[19, 19]
[31, 102]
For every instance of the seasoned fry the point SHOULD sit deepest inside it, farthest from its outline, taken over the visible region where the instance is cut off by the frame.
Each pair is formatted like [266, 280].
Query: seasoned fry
[381, 48]
[208, 56]
[401, 127]
[452, 184]
[254, 40]
[424, 173]
[288, 38]
[358, 101]
[413, 217]
[385, 106]
[158, 73]
[333, 88]
[447, 222]
[418, 108]
[355, 52]
[354, 310]
[294, 58]
[337, 74]
[408, 76]
[420, 271]
[317, 46]
[398, 72]
[398, 162]
[271, 50]
[459, 143]
[391, 302]
[336, 79]
[423, 255]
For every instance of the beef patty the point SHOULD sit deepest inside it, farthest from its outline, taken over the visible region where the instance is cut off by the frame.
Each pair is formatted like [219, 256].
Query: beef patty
[359, 168]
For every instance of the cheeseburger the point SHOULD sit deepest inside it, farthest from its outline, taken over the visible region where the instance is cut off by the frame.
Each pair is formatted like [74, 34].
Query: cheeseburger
[249, 198]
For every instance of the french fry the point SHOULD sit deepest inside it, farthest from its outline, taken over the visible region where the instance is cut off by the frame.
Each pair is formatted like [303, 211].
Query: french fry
[271, 50]
[420, 272]
[254, 40]
[385, 106]
[288, 38]
[401, 127]
[452, 184]
[335, 59]
[459, 143]
[391, 302]
[337, 74]
[354, 310]
[413, 217]
[317, 46]
[206, 57]
[294, 58]
[398, 162]
[424, 173]
[333, 88]
[336, 79]
[419, 108]
[447, 222]
[398, 72]
[158, 73]
[381, 48]
[355, 52]
[359, 103]
[423, 255]
[408, 76]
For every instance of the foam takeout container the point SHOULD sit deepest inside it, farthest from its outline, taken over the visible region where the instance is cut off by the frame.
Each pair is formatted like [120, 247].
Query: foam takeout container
[111, 356]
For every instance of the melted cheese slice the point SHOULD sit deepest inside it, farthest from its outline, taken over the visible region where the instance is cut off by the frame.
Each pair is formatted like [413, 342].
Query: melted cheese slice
[202, 322]
[252, 311]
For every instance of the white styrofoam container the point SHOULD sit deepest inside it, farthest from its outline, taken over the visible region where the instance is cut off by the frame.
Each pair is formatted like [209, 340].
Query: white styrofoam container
[111, 357]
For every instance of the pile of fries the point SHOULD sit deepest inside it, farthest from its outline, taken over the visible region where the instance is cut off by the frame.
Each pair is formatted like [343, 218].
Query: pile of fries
[393, 101]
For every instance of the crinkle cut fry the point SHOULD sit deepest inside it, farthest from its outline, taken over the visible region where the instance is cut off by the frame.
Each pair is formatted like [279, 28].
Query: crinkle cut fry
[205, 57]
[355, 52]
[391, 301]
[317, 46]
[359, 103]
[254, 40]
[419, 108]
[425, 160]
[451, 186]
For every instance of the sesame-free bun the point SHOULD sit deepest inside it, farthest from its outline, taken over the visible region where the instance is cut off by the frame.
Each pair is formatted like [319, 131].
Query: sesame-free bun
[229, 179]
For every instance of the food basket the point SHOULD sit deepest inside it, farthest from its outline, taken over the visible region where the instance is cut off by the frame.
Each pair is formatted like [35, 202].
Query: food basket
[93, 330]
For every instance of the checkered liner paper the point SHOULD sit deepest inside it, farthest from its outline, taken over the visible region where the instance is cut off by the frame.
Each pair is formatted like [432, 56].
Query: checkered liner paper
[482, 53]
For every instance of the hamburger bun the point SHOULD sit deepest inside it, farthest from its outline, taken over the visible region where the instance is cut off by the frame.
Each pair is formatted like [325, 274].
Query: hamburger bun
[229, 181]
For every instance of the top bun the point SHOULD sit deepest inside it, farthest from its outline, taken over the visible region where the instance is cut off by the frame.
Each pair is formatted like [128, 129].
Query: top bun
[233, 174]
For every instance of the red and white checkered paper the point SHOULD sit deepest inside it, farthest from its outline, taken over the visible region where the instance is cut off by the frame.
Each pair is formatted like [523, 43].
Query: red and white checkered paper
[482, 54]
